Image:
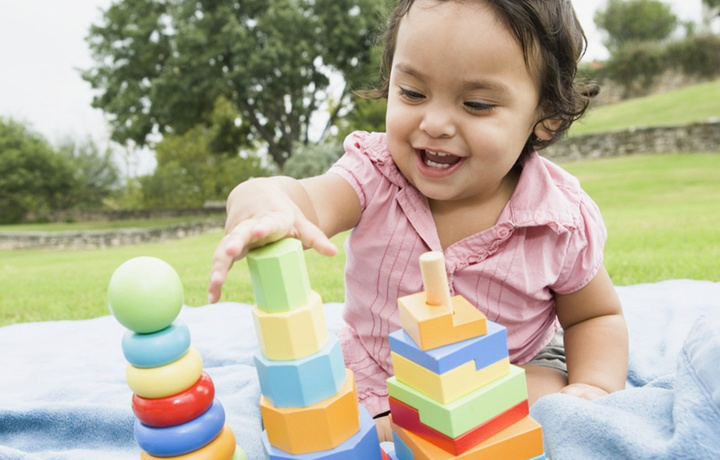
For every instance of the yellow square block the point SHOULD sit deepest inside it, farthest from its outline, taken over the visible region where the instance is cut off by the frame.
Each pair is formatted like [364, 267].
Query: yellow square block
[293, 334]
[432, 326]
[321, 426]
[520, 441]
[453, 384]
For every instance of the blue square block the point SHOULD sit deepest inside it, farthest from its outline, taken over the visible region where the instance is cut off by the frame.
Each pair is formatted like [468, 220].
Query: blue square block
[363, 445]
[302, 382]
[484, 350]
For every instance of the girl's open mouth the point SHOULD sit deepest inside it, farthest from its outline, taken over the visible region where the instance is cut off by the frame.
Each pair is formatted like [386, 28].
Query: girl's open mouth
[438, 160]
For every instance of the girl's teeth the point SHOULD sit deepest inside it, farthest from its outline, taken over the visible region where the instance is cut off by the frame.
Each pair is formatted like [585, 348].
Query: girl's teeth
[432, 164]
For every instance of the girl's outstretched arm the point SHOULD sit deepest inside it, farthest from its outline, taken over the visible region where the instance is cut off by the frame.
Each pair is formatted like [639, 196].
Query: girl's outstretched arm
[263, 210]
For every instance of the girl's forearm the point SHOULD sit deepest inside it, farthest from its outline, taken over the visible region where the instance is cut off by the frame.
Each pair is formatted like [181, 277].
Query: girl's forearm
[597, 352]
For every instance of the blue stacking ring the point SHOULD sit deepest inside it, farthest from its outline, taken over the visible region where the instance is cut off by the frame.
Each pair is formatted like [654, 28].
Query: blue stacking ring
[181, 439]
[157, 348]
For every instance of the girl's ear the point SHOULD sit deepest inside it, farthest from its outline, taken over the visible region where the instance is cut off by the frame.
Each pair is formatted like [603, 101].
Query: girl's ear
[545, 129]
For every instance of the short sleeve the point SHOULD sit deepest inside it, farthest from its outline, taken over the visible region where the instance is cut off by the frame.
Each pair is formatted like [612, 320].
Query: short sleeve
[366, 164]
[584, 249]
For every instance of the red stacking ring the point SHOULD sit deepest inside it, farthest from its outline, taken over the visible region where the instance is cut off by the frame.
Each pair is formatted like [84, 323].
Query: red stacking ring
[176, 409]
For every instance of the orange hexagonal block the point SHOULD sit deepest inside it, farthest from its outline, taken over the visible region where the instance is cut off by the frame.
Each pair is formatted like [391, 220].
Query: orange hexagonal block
[321, 426]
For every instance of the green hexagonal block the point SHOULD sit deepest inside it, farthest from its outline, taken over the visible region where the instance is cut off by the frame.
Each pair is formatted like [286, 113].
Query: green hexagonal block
[279, 276]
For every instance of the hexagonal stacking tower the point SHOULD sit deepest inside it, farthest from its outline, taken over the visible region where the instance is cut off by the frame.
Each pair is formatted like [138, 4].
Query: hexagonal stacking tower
[173, 399]
[454, 393]
[309, 401]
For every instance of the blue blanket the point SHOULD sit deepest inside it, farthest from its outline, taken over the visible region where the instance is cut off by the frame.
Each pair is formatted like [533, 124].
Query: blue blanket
[63, 393]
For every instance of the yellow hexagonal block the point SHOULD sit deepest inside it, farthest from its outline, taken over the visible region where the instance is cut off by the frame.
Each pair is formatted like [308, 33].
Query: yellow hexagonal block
[293, 334]
[431, 326]
[456, 383]
[321, 426]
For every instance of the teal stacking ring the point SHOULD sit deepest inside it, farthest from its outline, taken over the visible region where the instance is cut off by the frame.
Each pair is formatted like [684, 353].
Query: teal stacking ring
[157, 348]
[181, 439]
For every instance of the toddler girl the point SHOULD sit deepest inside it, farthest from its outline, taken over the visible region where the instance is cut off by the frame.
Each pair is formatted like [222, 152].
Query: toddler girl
[473, 88]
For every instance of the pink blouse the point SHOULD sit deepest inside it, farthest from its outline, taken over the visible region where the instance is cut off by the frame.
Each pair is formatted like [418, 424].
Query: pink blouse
[549, 239]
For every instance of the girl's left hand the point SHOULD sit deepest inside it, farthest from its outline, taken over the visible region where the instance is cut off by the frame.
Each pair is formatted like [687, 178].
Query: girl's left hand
[584, 391]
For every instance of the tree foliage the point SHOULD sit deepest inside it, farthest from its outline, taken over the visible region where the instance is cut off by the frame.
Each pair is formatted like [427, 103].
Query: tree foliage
[160, 65]
[96, 177]
[32, 175]
[635, 21]
[188, 174]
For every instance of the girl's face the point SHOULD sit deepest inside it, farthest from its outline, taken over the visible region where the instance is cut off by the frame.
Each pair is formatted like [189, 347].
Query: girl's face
[461, 102]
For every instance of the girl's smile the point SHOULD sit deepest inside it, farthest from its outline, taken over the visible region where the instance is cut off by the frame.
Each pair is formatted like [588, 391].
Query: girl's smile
[435, 164]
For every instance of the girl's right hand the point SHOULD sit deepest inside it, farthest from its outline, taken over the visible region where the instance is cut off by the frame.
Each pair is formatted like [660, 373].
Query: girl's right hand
[245, 231]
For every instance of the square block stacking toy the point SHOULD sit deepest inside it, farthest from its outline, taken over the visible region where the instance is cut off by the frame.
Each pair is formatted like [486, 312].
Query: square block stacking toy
[177, 414]
[454, 393]
[309, 403]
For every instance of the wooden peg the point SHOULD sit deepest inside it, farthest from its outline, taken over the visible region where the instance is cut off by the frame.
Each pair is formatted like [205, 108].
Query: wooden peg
[437, 291]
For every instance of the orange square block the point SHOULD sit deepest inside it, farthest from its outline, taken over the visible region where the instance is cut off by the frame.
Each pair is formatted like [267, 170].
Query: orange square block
[433, 326]
[321, 426]
[520, 441]
[408, 417]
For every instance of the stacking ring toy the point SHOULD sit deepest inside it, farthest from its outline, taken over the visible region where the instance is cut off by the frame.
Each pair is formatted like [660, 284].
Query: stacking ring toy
[167, 380]
[157, 348]
[222, 448]
[176, 409]
[181, 439]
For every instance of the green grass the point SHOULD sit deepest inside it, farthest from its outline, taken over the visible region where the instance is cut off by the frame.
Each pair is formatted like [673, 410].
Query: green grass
[682, 106]
[662, 214]
[41, 285]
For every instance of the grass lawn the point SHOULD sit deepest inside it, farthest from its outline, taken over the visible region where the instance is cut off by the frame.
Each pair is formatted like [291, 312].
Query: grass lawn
[682, 106]
[662, 214]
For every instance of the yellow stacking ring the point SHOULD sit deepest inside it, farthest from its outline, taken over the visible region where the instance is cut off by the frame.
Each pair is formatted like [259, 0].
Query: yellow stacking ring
[167, 380]
[222, 448]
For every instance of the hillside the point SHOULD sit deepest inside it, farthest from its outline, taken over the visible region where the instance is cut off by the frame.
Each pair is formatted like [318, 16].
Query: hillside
[686, 105]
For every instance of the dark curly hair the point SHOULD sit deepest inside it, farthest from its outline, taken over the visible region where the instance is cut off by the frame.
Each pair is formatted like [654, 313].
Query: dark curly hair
[552, 41]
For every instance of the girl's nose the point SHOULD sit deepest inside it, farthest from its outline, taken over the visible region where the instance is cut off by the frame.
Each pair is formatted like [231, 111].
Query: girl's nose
[438, 121]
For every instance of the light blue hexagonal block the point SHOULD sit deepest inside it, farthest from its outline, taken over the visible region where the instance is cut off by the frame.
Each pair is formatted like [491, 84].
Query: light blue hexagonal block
[302, 382]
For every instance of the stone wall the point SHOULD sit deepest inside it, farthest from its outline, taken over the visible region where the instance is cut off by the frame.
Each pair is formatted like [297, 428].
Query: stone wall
[97, 239]
[107, 215]
[695, 137]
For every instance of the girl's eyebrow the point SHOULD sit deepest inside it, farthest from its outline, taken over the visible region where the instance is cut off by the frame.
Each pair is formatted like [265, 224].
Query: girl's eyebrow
[495, 86]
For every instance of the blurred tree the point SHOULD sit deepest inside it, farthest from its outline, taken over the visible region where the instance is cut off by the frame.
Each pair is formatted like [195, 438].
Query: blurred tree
[312, 160]
[710, 11]
[95, 174]
[161, 64]
[33, 176]
[635, 21]
[188, 173]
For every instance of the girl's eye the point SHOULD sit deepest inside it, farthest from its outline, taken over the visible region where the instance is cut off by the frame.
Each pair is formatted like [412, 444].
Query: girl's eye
[474, 106]
[411, 95]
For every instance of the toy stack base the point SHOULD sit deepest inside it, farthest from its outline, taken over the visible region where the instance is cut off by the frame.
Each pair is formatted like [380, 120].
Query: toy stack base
[309, 402]
[177, 414]
[454, 393]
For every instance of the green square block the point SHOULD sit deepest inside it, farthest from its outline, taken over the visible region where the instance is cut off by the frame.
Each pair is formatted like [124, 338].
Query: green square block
[468, 412]
[279, 276]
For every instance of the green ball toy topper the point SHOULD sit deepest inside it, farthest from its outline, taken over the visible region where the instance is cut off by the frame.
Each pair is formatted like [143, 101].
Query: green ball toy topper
[145, 294]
